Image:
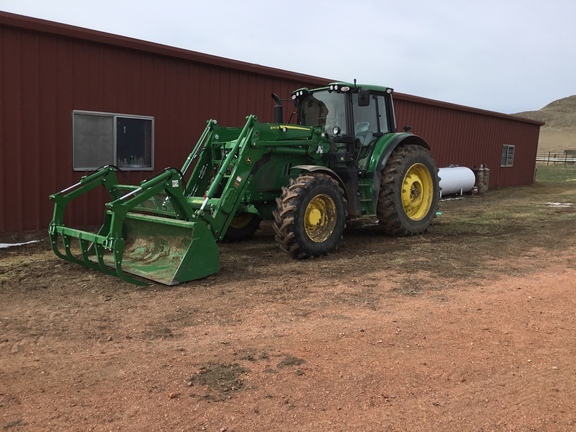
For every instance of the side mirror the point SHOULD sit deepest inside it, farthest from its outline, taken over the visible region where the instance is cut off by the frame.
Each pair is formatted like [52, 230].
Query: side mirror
[363, 98]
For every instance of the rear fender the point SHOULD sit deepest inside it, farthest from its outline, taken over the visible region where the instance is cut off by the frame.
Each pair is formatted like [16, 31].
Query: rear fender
[385, 148]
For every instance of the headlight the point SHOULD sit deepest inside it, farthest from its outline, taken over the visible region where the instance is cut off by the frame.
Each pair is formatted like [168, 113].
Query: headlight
[338, 88]
[297, 94]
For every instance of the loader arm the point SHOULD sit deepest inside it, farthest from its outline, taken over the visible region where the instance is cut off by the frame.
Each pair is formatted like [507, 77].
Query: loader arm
[242, 155]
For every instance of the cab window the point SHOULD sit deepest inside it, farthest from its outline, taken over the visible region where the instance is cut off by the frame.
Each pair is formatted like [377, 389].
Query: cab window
[369, 120]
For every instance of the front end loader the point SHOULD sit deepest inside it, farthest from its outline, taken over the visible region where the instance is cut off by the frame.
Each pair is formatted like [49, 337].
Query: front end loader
[342, 159]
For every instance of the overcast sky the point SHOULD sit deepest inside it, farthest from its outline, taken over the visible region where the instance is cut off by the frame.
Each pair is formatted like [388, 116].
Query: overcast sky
[500, 55]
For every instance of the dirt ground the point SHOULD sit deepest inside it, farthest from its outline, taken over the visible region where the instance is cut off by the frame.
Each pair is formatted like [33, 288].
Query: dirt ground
[471, 327]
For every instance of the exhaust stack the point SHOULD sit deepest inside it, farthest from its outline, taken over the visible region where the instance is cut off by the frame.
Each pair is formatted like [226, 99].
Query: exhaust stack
[278, 109]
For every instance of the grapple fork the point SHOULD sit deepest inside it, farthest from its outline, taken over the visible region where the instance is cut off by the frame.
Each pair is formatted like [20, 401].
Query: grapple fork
[149, 231]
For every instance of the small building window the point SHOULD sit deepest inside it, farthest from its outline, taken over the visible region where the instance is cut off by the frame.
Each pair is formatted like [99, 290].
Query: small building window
[100, 139]
[507, 155]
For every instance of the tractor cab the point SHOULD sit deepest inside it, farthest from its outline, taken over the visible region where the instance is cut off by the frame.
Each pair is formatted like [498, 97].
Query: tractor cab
[353, 117]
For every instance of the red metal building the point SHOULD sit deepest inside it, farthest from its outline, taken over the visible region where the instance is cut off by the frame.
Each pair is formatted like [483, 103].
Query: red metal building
[470, 137]
[54, 76]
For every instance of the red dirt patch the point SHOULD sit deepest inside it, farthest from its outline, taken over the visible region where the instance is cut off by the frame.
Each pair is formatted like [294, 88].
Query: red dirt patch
[469, 328]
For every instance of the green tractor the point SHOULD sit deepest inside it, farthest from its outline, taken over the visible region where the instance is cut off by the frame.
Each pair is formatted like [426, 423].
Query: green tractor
[342, 159]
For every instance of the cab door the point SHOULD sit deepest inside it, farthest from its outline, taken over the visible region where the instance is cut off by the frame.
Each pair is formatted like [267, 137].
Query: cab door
[370, 120]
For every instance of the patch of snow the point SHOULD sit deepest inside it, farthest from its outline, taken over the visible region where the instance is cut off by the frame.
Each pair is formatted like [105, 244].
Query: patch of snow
[558, 205]
[7, 245]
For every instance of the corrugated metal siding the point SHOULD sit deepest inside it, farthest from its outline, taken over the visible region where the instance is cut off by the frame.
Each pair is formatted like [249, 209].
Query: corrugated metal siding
[470, 137]
[49, 69]
[46, 74]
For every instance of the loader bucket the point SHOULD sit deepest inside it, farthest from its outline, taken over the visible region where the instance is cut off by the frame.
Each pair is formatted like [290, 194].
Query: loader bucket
[149, 231]
[167, 251]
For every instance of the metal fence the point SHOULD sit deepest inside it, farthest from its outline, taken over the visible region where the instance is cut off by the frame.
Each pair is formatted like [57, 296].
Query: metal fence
[556, 158]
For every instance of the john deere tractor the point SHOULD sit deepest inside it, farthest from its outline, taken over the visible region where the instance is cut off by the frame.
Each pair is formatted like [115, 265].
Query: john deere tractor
[341, 159]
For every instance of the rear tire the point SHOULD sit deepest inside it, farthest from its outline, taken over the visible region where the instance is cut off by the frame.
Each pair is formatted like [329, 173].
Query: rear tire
[310, 216]
[242, 227]
[409, 192]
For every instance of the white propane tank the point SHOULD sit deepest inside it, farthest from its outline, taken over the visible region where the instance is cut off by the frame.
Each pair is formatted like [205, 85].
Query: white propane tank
[456, 180]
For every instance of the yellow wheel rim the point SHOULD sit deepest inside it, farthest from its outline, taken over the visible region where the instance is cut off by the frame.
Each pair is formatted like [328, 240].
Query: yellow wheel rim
[417, 192]
[240, 220]
[320, 218]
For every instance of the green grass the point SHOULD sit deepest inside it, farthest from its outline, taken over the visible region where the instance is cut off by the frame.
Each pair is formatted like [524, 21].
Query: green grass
[556, 174]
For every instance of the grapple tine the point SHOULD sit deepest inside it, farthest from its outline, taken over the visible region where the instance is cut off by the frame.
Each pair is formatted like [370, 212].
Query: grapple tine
[85, 247]
[69, 256]
[67, 240]
[101, 264]
[118, 256]
[55, 248]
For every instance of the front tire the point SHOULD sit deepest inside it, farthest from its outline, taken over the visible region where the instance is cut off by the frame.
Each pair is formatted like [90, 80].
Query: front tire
[310, 216]
[409, 192]
[242, 227]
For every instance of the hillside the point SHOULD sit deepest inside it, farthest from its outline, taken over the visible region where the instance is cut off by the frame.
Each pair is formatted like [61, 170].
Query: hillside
[559, 132]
